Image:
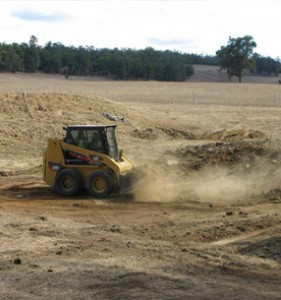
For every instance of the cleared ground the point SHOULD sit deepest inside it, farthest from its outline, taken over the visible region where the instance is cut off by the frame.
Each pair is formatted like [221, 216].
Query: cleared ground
[204, 223]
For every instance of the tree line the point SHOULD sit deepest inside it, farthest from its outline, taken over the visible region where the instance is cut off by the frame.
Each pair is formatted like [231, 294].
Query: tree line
[118, 64]
[123, 64]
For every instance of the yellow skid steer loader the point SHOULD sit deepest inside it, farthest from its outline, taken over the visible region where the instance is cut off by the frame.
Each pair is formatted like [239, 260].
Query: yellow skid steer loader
[88, 157]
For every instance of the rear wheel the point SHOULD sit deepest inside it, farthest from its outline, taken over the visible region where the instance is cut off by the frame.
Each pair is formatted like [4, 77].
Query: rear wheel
[68, 182]
[100, 184]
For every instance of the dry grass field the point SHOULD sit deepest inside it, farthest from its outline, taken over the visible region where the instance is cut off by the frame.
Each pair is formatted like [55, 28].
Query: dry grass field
[203, 223]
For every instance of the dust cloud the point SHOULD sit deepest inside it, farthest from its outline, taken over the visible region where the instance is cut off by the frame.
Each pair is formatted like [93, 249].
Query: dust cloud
[211, 184]
[160, 188]
[219, 185]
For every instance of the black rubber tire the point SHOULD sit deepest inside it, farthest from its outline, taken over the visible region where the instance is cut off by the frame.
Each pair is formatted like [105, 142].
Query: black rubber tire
[100, 184]
[68, 182]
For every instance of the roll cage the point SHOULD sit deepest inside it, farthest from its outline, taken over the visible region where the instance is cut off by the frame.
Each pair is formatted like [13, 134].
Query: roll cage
[99, 138]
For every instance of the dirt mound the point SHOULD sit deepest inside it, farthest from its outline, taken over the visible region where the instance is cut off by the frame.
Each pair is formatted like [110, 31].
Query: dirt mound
[27, 121]
[147, 133]
[225, 154]
[154, 133]
[233, 135]
[176, 133]
[223, 135]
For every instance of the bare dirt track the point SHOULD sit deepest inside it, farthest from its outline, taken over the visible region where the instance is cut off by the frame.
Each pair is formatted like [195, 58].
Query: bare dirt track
[204, 222]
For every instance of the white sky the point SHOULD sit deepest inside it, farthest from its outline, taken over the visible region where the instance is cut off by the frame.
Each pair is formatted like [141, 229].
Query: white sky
[200, 26]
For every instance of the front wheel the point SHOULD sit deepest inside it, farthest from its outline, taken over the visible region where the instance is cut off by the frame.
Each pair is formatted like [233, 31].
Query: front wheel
[100, 184]
[68, 182]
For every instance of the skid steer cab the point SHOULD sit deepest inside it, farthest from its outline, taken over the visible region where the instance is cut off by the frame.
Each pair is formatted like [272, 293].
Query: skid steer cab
[87, 158]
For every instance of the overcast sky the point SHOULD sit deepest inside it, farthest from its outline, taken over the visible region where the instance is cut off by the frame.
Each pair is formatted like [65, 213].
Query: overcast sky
[200, 26]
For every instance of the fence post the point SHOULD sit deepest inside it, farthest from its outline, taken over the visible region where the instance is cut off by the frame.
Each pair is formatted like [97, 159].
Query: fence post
[27, 107]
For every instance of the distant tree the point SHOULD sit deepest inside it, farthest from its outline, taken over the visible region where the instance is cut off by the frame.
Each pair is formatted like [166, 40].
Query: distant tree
[33, 41]
[31, 55]
[237, 56]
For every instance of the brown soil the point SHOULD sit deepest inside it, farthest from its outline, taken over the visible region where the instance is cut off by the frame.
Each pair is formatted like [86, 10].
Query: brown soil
[203, 221]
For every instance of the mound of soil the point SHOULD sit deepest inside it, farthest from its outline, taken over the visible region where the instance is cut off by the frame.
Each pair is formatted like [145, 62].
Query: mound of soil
[224, 135]
[27, 121]
[148, 134]
[226, 154]
[176, 133]
[233, 135]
